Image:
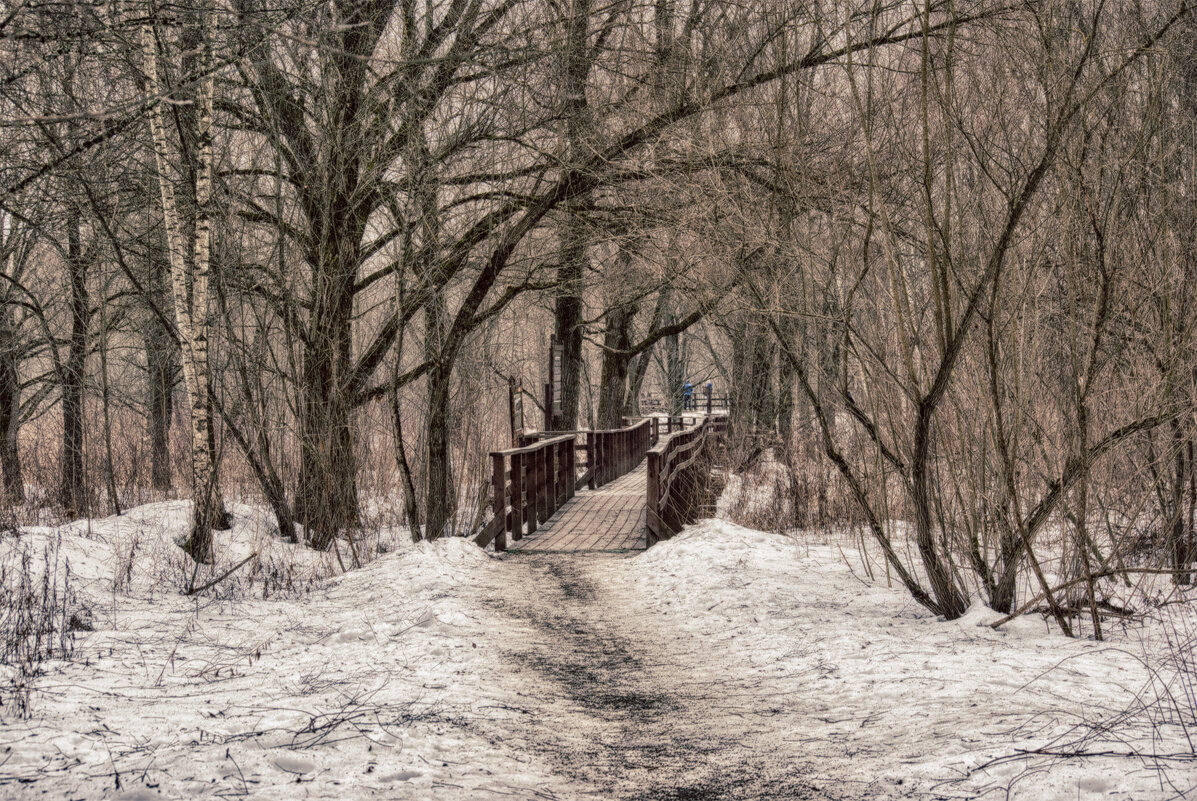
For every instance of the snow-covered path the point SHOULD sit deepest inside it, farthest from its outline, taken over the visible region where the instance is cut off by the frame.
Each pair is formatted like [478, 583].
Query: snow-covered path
[631, 707]
[723, 664]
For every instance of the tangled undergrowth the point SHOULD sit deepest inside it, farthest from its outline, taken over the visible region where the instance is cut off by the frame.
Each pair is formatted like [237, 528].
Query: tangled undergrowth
[39, 617]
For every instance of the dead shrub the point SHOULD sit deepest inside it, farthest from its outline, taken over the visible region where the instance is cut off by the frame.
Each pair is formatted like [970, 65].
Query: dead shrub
[39, 616]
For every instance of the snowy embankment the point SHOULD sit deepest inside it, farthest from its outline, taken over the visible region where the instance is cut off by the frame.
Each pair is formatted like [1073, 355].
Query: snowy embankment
[439, 671]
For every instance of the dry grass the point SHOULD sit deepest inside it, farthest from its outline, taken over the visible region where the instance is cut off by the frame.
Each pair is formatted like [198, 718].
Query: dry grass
[39, 615]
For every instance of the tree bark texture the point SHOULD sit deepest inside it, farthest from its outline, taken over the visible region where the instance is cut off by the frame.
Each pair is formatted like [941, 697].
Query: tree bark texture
[576, 62]
[161, 356]
[10, 410]
[617, 341]
[73, 489]
[190, 286]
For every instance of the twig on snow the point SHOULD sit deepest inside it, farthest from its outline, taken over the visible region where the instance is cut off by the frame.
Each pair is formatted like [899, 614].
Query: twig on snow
[222, 576]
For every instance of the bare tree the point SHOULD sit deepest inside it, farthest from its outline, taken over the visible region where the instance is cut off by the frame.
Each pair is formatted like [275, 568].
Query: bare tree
[190, 276]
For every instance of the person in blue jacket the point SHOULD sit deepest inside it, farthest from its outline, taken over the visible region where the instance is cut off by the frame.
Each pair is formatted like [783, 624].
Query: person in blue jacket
[687, 397]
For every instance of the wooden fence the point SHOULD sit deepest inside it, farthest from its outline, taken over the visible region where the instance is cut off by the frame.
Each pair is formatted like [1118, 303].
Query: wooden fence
[529, 483]
[701, 403]
[678, 475]
[615, 452]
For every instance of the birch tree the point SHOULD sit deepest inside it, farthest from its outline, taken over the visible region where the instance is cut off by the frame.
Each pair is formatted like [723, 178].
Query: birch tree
[189, 279]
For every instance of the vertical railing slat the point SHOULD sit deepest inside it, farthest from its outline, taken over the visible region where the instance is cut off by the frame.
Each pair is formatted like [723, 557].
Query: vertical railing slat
[652, 520]
[532, 480]
[550, 493]
[517, 496]
[591, 446]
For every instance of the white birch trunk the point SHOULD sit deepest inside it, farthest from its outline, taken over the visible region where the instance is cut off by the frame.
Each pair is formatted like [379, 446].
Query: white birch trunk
[191, 309]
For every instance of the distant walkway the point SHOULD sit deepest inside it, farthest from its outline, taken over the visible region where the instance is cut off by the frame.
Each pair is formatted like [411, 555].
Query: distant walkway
[610, 518]
[643, 482]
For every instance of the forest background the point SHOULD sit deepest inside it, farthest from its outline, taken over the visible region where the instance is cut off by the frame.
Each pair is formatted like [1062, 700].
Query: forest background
[940, 255]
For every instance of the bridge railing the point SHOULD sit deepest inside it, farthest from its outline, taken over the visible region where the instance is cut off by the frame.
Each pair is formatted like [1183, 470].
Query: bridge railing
[610, 453]
[531, 482]
[528, 486]
[650, 404]
[667, 424]
[677, 478]
[614, 452]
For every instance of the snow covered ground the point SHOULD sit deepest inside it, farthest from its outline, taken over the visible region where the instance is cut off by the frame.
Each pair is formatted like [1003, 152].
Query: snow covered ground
[725, 663]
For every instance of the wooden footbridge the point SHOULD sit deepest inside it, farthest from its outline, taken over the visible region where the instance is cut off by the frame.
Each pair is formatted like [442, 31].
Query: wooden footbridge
[639, 484]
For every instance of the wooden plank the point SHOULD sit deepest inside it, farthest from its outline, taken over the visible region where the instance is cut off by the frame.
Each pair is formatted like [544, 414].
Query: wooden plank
[591, 453]
[499, 488]
[517, 496]
[652, 525]
[610, 518]
[490, 532]
[532, 489]
[535, 445]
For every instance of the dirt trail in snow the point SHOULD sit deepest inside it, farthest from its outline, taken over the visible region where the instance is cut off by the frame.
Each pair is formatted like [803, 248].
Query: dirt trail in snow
[627, 706]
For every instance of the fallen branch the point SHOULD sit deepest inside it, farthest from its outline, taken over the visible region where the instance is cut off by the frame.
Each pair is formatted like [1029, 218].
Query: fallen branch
[1078, 753]
[222, 576]
[1029, 605]
[1060, 752]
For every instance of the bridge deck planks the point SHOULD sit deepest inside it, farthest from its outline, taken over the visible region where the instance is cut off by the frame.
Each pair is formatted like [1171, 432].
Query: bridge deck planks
[610, 518]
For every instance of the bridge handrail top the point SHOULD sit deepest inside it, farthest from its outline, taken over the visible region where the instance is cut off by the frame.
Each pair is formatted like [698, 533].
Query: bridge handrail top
[530, 448]
[632, 427]
[581, 431]
[667, 439]
[554, 434]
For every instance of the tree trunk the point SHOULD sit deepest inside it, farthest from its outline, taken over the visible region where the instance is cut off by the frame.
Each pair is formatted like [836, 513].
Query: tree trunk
[785, 411]
[327, 496]
[740, 401]
[568, 323]
[73, 490]
[411, 505]
[576, 61]
[636, 376]
[640, 364]
[114, 502]
[613, 383]
[675, 373]
[761, 399]
[10, 412]
[1178, 538]
[161, 356]
[441, 498]
[190, 283]
[951, 601]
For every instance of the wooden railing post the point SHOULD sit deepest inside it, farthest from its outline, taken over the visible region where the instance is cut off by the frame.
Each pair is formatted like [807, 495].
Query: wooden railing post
[610, 457]
[617, 452]
[550, 482]
[571, 468]
[602, 458]
[592, 462]
[498, 483]
[652, 501]
[596, 462]
[550, 473]
[517, 496]
[562, 480]
[533, 484]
